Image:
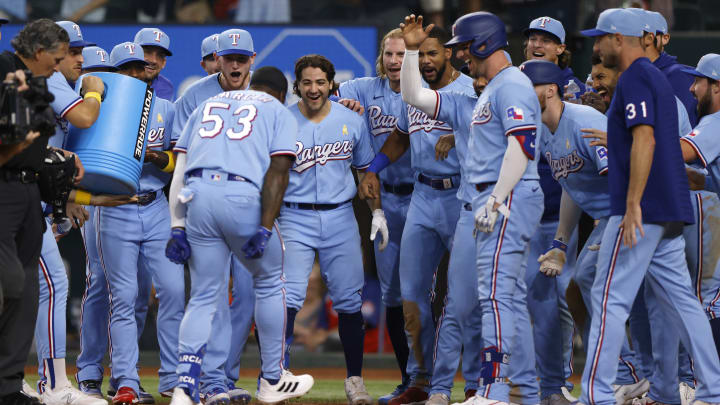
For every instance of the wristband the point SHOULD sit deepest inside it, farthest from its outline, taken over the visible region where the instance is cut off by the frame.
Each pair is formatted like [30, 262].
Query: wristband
[380, 162]
[171, 162]
[559, 245]
[95, 95]
[82, 197]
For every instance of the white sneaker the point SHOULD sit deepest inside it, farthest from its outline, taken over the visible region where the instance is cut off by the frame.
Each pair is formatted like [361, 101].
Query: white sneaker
[687, 394]
[289, 386]
[69, 395]
[624, 394]
[29, 391]
[480, 400]
[180, 397]
[566, 393]
[356, 392]
[438, 398]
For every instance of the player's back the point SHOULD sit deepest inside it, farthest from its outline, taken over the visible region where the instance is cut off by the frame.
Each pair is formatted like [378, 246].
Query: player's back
[237, 132]
[198, 92]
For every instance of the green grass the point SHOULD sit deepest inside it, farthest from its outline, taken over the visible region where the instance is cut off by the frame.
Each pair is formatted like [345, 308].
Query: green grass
[325, 391]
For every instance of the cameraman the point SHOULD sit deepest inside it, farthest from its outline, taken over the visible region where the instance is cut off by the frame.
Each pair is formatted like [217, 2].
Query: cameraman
[39, 47]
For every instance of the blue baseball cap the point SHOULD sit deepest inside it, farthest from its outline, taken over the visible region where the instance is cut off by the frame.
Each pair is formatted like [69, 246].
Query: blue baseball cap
[616, 21]
[153, 37]
[549, 25]
[209, 45]
[708, 66]
[126, 52]
[658, 21]
[643, 19]
[95, 57]
[235, 41]
[76, 38]
[543, 72]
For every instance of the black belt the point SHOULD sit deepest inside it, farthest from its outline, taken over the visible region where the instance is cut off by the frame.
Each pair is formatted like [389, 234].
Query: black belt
[399, 189]
[146, 199]
[19, 175]
[437, 184]
[483, 186]
[315, 207]
[228, 176]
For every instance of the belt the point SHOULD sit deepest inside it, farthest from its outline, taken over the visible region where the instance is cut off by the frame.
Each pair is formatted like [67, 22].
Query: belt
[437, 184]
[217, 177]
[315, 207]
[19, 175]
[483, 186]
[146, 199]
[399, 189]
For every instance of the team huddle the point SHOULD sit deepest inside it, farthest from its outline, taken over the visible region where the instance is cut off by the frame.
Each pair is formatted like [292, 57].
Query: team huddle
[495, 164]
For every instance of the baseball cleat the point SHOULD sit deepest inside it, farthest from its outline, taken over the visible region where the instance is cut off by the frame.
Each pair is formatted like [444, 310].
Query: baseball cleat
[481, 400]
[217, 396]
[687, 394]
[145, 397]
[125, 396]
[69, 395]
[27, 389]
[238, 396]
[356, 392]
[19, 398]
[624, 394]
[180, 397]
[383, 400]
[438, 398]
[412, 394]
[91, 388]
[555, 399]
[289, 386]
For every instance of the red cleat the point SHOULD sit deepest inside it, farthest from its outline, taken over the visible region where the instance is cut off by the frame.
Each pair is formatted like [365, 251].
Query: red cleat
[125, 396]
[412, 394]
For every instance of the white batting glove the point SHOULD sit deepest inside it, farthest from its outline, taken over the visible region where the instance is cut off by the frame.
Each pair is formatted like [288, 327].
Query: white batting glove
[552, 262]
[486, 216]
[379, 223]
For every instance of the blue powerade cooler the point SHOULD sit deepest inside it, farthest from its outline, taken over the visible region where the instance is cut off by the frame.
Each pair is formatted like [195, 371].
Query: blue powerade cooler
[112, 150]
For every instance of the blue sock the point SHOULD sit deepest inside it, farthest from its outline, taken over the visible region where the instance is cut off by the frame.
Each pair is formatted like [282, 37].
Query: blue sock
[352, 336]
[715, 327]
[395, 322]
[289, 329]
[191, 364]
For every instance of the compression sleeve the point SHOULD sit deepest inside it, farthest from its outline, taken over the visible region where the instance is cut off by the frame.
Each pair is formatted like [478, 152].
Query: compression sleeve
[411, 87]
[513, 167]
[569, 217]
[177, 209]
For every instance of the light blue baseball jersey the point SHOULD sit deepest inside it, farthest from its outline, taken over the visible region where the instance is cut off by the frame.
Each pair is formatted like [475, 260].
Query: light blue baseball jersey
[65, 99]
[382, 108]
[237, 132]
[159, 138]
[425, 133]
[704, 140]
[324, 153]
[507, 106]
[198, 92]
[577, 166]
[457, 109]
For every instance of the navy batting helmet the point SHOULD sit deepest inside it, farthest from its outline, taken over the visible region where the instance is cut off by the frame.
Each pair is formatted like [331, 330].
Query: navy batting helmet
[543, 72]
[482, 28]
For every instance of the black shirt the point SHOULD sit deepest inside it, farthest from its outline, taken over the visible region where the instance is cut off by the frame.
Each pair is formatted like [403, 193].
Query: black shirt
[32, 157]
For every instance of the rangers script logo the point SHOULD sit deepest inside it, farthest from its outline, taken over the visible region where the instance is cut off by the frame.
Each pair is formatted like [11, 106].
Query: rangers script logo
[419, 121]
[481, 115]
[565, 165]
[379, 122]
[308, 157]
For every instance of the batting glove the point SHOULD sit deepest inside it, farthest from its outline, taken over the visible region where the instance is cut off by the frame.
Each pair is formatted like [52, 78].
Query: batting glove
[178, 248]
[255, 246]
[379, 223]
[552, 262]
[486, 216]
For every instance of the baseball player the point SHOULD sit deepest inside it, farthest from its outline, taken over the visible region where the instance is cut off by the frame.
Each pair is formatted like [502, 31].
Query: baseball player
[156, 48]
[207, 54]
[330, 140]
[380, 96]
[501, 166]
[126, 237]
[461, 319]
[234, 55]
[235, 155]
[51, 323]
[649, 206]
[433, 211]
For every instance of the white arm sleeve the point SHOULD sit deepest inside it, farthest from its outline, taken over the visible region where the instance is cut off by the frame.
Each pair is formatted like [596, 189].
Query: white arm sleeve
[569, 217]
[177, 209]
[513, 167]
[411, 87]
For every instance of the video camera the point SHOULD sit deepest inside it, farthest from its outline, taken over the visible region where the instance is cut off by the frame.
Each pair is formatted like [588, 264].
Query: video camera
[25, 111]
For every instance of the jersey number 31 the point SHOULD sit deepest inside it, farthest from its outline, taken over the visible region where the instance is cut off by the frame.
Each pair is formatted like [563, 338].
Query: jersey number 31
[242, 127]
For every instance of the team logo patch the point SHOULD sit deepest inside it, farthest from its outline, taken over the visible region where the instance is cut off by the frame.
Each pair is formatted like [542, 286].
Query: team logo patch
[514, 113]
[601, 152]
[215, 177]
[694, 133]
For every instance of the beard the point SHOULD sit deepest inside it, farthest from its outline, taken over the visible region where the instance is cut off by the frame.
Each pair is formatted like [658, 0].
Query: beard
[438, 75]
[543, 102]
[704, 106]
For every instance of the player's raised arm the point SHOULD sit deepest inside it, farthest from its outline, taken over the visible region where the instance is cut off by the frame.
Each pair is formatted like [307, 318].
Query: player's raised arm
[410, 79]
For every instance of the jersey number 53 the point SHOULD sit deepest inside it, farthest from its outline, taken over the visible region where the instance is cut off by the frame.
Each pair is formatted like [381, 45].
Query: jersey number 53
[241, 128]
